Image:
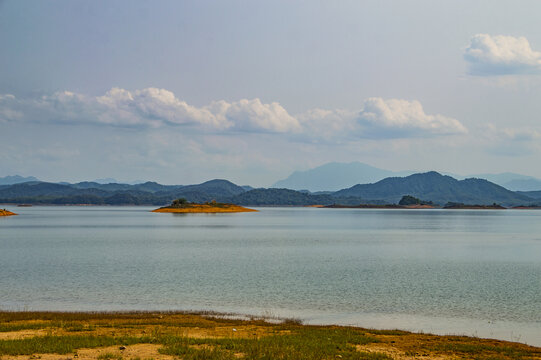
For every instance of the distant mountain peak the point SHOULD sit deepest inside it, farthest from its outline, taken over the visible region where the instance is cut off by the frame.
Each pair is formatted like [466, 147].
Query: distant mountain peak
[334, 176]
[16, 179]
[217, 181]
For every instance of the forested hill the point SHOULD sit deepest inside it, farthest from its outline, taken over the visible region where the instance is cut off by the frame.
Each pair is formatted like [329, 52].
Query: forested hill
[155, 194]
[149, 193]
[437, 188]
[430, 186]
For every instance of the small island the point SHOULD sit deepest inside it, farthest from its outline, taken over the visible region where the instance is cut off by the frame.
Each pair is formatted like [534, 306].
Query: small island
[182, 206]
[407, 202]
[4, 212]
[454, 206]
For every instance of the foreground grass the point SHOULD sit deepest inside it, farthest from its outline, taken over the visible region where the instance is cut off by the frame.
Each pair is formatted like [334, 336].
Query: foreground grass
[305, 343]
[62, 344]
[473, 349]
[191, 336]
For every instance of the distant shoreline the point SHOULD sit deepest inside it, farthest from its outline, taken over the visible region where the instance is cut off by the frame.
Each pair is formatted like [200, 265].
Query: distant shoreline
[316, 206]
[413, 207]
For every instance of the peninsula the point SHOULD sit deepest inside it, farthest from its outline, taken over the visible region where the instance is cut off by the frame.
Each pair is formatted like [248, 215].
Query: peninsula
[182, 206]
[4, 212]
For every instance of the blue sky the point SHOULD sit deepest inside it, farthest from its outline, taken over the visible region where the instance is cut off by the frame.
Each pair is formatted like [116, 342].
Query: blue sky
[185, 91]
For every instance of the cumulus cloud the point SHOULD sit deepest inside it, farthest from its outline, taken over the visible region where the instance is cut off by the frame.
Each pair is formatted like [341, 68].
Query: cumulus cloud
[403, 118]
[149, 107]
[378, 118]
[154, 107]
[501, 55]
[253, 115]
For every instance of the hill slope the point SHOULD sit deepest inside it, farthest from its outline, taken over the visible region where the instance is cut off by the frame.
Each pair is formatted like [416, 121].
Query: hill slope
[440, 189]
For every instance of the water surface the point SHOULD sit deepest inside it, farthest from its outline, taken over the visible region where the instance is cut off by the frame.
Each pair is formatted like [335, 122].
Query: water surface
[445, 271]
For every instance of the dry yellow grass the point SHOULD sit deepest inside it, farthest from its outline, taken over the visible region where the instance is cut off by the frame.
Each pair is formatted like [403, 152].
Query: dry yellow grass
[4, 212]
[204, 208]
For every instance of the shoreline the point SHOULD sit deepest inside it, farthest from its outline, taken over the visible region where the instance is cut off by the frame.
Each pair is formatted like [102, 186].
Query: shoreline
[316, 206]
[527, 333]
[164, 334]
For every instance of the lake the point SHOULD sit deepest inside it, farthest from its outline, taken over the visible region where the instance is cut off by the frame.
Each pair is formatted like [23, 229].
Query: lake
[473, 272]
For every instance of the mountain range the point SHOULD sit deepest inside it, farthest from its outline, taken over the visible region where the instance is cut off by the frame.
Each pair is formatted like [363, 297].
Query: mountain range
[430, 186]
[335, 176]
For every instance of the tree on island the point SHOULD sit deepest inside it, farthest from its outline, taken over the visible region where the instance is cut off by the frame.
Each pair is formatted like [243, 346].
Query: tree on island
[179, 202]
[411, 200]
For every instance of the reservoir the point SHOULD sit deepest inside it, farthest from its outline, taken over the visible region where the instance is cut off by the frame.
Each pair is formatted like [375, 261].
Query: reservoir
[472, 272]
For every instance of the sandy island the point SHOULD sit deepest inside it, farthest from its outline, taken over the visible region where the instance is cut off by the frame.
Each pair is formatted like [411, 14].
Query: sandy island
[210, 207]
[182, 335]
[4, 212]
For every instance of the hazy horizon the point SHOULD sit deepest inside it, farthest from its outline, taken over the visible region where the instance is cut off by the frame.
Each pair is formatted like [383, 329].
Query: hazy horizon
[183, 92]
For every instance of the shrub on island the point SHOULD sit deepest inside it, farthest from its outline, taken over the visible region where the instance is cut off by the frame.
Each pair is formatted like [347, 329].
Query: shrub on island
[411, 200]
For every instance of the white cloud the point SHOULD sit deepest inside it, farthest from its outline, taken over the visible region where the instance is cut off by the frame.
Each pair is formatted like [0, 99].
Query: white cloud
[378, 119]
[501, 55]
[403, 118]
[150, 107]
[154, 108]
[253, 115]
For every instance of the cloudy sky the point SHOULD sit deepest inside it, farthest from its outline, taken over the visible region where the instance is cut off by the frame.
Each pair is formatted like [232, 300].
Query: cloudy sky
[185, 91]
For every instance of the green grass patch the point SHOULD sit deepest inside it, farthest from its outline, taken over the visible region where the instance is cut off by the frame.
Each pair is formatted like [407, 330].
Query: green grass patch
[67, 326]
[114, 319]
[472, 349]
[63, 344]
[6, 327]
[304, 343]
[109, 356]
[77, 327]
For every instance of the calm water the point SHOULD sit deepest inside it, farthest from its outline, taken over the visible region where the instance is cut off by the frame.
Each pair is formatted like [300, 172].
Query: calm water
[458, 271]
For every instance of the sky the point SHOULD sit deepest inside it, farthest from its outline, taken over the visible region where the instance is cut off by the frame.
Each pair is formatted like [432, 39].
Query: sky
[181, 92]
